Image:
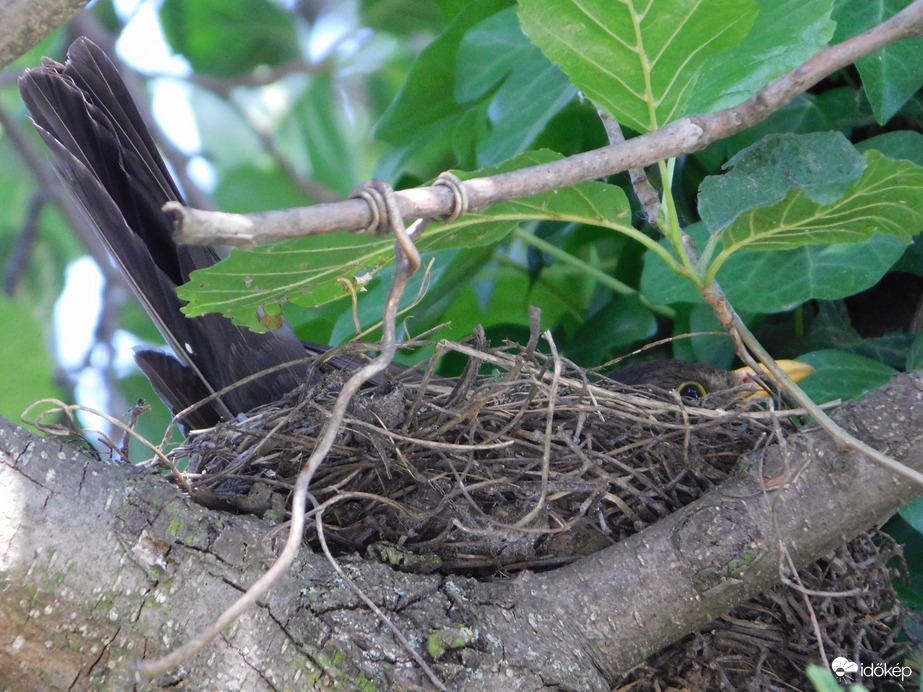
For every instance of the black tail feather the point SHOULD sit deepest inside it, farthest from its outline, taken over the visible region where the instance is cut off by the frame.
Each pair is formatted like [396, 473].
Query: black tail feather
[106, 155]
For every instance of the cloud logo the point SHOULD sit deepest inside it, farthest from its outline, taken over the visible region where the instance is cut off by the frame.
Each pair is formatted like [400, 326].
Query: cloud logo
[843, 666]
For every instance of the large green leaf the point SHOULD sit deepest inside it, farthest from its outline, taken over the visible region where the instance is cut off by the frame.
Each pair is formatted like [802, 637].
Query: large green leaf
[823, 164]
[776, 281]
[891, 75]
[843, 375]
[312, 271]
[767, 282]
[899, 144]
[401, 17]
[637, 60]
[886, 199]
[528, 90]
[915, 354]
[224, 39]
[786, 34]
[427, 98]
[316, 136]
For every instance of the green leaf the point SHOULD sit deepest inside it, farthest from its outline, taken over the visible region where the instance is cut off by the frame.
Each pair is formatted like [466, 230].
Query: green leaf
[225, 39]
[482, 82]
[786, 34]
[218, 123]
[767, 282]
[637, 60]
[623, 322]
[915, 354]
[777, 281]
[837, 109]
[28, 372]
[822, 164]
[316, 135]
[530, 90]
[900, 144]
[428, 95]
[713, 348]
[913, 514]
[248, 188]
[891, 75]
[843, 375]
[401, 17]
[886, 199]
[312, 271]
[501, 296]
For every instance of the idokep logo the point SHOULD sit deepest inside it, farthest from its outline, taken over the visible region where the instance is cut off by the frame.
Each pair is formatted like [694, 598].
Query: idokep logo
[842, 667]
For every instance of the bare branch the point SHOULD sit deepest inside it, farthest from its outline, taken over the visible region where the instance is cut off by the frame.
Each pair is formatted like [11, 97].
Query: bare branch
[683, 136]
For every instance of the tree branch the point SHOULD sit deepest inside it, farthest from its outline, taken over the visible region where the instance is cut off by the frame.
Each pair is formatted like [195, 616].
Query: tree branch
[103, 563]
[683, 136]
[24, 23]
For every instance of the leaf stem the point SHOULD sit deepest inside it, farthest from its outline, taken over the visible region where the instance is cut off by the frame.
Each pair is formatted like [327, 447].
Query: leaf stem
[736, 327]
[672, 229]
[606, 280]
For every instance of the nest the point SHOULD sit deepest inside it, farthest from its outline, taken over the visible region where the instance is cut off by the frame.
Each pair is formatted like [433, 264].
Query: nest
[530, 464]
[528, 461]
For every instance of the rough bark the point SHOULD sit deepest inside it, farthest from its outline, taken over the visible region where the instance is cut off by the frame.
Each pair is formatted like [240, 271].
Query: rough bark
[102, 563]
[24, 23]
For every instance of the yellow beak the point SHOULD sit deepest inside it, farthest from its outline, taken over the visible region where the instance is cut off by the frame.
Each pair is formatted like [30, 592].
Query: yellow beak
[793, 368]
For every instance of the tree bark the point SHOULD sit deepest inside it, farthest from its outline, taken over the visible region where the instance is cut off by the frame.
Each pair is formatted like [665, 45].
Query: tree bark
[24, 23]
[104, 563]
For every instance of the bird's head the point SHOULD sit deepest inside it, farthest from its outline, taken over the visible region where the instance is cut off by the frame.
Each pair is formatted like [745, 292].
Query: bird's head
[695, 381]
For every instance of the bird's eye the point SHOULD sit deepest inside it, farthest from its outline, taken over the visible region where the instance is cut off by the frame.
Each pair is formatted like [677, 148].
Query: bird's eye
[691, 390]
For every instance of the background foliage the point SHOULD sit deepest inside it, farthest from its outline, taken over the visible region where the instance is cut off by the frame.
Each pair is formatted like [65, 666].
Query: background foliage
[809, 220]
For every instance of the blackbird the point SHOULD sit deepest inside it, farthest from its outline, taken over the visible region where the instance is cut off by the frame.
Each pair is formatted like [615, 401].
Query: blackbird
[109, 160]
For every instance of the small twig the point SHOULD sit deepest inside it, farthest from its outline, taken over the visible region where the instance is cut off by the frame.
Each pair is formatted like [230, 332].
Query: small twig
[318, 522]
[135, 413]
[645, 192]
[69, 409]
[549, 430]
[732, 322]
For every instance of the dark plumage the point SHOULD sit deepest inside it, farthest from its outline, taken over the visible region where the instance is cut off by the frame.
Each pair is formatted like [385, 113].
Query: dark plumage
[107, 157]
[691, 380]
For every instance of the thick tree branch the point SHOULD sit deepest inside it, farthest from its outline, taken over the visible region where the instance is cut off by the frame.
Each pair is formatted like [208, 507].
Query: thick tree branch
[683, 136]
[24, 23]
[102, 563]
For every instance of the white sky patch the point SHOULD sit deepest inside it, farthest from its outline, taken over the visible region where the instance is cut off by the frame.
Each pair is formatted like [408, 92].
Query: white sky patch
[331, 27]
[77, 312]
[203, 173]
[173, 112]
[142, 43]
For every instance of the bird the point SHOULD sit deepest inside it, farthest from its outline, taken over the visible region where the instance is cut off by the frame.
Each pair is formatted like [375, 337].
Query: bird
[107, 157]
